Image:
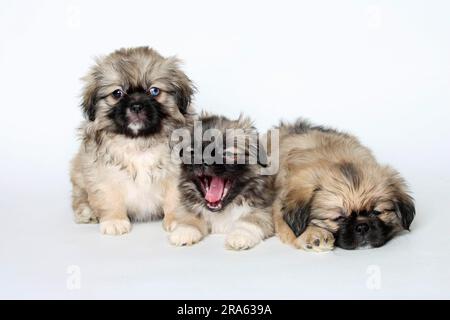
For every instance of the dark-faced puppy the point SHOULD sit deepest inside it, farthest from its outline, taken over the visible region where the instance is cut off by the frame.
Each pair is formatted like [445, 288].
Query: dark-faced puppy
[133, 99]
[137, 111]
[222, 188]
[332, 192]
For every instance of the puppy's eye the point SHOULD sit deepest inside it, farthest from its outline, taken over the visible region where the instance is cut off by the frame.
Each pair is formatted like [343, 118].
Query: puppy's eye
[117, 94]
[154, 91]
[376, 212]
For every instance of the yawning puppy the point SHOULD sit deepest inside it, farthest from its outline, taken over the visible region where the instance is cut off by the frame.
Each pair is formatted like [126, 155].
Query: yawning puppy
[222, 188]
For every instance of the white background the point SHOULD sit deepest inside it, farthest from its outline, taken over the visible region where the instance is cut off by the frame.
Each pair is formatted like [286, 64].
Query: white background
[378, 69]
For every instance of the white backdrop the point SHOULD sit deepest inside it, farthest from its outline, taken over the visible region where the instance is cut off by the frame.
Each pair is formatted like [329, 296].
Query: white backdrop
[378, 69]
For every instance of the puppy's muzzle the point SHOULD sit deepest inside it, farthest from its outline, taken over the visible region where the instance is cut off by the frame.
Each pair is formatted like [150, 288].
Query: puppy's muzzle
[136, 108]
[362, 228]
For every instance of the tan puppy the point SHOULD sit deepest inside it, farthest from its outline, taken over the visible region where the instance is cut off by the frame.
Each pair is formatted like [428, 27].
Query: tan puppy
[133, 99]
[333, 192]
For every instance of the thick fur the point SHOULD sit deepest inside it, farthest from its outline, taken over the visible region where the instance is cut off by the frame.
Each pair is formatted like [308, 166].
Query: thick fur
[332, 190]
[122, 173]
[245, 216]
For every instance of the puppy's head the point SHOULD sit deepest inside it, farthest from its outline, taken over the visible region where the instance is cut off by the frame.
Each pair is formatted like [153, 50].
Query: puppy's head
[137, 93]
[220, 169]
[362, 205]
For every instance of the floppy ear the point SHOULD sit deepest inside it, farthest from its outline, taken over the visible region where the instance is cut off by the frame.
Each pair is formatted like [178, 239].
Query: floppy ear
[89, 98]
[183, 87]
[404, 203]
[183, 97]
[297, 217]
[405, 210]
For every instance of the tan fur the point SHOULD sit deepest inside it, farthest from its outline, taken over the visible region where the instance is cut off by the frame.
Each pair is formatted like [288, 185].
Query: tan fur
[282, 229]
[312, 171]
[315, 239]
[116, 177]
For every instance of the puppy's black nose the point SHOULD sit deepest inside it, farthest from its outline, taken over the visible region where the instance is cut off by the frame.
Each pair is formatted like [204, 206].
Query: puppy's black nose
[362, 228]
[136, 108]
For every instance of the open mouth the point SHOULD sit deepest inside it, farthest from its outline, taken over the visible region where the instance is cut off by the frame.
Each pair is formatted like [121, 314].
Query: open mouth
[215, 190]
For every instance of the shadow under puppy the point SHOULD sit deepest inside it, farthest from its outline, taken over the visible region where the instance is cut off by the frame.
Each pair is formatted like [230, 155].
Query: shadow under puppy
[332, 192]
[222, 189]
[133, 99]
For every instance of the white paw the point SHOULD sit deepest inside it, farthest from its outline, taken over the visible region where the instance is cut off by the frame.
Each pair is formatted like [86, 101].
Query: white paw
[185, 235]
[84, 214]
[115, 227]
[316, 240]
[169, 225]
[241, 239]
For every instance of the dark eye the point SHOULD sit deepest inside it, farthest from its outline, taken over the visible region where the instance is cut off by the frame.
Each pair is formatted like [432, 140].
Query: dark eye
[376, 212]
[154, 92]
[117, 94]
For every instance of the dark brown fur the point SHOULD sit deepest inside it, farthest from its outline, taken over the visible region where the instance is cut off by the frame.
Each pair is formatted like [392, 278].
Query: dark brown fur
[245, 213]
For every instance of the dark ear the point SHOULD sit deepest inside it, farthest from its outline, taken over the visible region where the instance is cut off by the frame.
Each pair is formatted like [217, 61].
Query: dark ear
[297, 217]
[404, 203]
[89, 99]
[183, 87]
[183, 95]
[405, 209]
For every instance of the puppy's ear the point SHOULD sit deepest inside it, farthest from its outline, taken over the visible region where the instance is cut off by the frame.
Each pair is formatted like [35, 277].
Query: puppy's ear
[89, 97]
[297, 217]
[184, 89]
[404, 203]
[405, 209]
[183, 97]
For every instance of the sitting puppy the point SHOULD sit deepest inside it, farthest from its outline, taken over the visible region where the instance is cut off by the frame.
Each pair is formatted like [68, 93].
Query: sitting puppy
[332, 192]
[222, 189]
[133, 99]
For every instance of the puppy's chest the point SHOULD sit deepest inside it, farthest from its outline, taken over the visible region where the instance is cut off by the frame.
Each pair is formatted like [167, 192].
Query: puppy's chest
[143, 167]
[223, 222]
[144, 176]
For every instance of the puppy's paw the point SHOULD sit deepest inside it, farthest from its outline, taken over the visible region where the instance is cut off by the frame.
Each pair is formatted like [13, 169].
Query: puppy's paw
[115, 227]
[315, 239]
[169, 224]
[84, 214]
[286, 235]
[185, 235]
[241, 239]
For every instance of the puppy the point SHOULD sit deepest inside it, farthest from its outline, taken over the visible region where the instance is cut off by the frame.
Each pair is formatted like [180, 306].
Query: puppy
[332, 192]
[133, 99]
[222, 188]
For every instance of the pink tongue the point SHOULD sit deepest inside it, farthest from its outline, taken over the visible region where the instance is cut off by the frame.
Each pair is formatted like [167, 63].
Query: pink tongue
[215, 191]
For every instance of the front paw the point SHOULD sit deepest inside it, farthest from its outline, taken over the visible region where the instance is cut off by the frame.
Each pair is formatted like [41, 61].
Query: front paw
[185, 235]
[115, 227]
[315, 239]
[84, 214]
[241, 239]
[169, 224]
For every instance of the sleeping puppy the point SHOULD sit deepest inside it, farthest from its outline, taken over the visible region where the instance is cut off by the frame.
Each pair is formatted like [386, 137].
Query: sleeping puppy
[221, 186]
[332, 192]
[133, 99]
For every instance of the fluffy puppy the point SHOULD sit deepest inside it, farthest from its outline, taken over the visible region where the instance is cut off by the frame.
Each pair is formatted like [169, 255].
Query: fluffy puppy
[333, 192]
[222, 188]
[133, 99]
